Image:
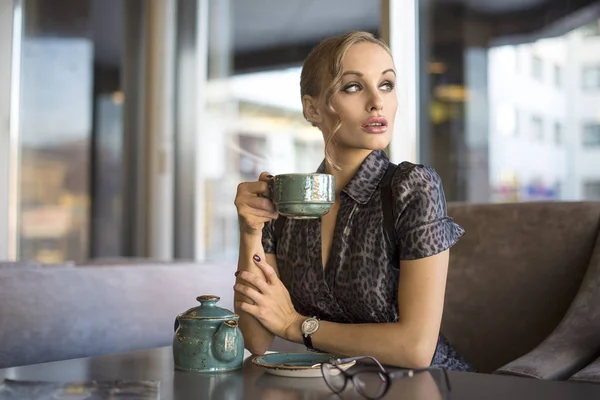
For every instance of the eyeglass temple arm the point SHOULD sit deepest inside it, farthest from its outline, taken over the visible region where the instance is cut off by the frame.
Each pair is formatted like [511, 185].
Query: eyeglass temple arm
[411, 372]
[347, 360]
[394, 374]
[407, 372]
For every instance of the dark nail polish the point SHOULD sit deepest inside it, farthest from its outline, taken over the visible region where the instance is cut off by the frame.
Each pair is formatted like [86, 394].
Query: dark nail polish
[270, 176]
[256, 258]
[236, 273]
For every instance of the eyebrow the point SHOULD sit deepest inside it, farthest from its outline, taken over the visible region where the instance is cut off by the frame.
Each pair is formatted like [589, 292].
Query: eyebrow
[360, 73]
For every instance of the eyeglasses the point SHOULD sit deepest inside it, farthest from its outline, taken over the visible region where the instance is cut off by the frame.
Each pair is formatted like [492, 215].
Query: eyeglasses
[370, 383]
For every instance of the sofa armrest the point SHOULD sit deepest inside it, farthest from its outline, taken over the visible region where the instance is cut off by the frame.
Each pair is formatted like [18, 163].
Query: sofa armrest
[552, 360]
[591, 373]
[574, 343]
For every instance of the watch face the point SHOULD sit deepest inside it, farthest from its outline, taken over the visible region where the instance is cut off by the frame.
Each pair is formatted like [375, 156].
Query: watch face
[310, 326]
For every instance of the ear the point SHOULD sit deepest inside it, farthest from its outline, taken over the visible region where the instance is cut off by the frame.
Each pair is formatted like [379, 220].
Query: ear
[311, 110]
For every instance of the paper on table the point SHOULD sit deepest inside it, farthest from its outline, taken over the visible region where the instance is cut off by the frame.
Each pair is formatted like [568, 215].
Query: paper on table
[87, 390]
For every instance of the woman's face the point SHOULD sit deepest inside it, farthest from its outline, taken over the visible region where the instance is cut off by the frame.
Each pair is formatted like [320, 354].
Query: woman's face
[366, 103]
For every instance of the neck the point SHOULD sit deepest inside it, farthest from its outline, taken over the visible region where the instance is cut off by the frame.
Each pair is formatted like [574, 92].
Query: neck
[348, 162]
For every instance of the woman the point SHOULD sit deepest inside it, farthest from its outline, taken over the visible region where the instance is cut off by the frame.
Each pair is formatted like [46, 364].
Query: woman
[334, 283]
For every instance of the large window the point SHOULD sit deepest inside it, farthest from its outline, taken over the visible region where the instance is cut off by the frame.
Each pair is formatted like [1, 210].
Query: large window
[504, 60]
[56, 102]
[253, 101]
[501, 100]
[71, 135]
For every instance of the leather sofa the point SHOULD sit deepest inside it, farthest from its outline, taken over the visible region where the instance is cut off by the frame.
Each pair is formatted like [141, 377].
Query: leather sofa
[523, 296]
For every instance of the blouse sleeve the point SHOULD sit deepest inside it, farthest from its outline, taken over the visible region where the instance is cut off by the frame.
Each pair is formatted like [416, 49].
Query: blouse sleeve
[268, 237]
[422, 226]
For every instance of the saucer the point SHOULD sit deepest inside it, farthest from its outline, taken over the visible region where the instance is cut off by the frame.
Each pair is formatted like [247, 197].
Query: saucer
[296, 365]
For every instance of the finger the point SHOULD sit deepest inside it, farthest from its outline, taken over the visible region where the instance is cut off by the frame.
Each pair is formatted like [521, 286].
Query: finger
[265, 176]
[247, 291]
[255, 281]
[244, 298]
[269, 271]
[250, 213]
[247, 308]
[261, 203]
[260, 187]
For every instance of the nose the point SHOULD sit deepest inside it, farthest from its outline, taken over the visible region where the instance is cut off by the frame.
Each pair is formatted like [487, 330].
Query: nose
[375, 102]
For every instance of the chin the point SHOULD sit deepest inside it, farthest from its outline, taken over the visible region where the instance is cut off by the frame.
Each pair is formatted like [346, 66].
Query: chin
[379, 142]
[380, 147]
[363, 141]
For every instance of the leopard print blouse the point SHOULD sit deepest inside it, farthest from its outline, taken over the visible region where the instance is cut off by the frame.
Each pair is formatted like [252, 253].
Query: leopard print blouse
[359, 283]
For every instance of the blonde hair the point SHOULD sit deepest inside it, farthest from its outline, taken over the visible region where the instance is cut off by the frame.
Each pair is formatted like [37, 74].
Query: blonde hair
[322, 74]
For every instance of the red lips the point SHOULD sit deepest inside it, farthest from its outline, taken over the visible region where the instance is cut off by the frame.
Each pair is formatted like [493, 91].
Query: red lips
[375, 125]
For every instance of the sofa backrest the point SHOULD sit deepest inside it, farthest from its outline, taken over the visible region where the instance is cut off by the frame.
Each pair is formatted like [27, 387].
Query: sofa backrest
[514, 274]
[61, 312]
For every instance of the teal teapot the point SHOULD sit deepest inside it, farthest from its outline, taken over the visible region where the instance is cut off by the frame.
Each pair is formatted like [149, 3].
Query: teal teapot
[207, 338]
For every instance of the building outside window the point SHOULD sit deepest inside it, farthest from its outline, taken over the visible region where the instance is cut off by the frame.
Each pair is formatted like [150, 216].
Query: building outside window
[591, 191]
[557, 76]
[537, 67]
[537, 128]
[591, 135]
[558, 133]
[590, 77]
[591, 30]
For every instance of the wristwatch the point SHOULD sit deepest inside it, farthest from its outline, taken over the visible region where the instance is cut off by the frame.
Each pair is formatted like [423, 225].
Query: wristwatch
[309, 326]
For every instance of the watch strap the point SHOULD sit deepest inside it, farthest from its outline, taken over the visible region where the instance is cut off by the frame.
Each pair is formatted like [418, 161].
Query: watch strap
[307, 339]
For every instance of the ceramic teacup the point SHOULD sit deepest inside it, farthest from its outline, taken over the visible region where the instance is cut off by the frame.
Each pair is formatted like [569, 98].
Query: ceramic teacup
[303, 196]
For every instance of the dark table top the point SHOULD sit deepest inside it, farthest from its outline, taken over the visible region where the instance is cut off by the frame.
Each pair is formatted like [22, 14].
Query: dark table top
[251, 382]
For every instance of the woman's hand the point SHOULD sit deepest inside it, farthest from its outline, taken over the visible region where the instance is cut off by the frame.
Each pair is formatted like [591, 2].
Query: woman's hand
[272, 303]
[254, 210]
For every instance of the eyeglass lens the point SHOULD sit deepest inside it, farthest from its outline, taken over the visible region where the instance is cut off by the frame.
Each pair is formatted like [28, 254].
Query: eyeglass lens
[334, 377]
[371, 384]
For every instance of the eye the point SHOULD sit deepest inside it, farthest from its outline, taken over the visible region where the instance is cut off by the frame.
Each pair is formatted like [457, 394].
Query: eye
[388, 86]
[352, 87]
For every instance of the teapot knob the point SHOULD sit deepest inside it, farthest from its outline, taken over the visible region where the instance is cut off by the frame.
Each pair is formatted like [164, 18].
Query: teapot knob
[208, 300]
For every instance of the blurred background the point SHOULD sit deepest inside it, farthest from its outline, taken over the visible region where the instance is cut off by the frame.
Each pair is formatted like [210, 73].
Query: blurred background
[126, 125]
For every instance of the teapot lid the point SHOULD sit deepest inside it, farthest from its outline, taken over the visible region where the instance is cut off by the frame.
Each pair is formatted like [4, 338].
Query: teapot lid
[208, 309]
